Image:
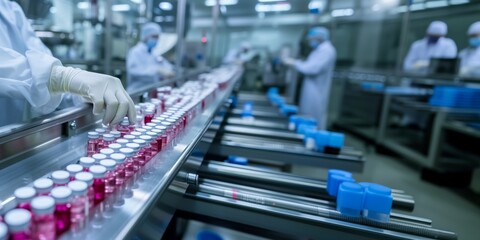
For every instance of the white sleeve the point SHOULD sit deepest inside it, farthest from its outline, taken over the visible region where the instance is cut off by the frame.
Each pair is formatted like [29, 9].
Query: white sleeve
[230, 57]
[136, 65]
[410, 58]
[315, 63]
[27, 77]
[451, 50]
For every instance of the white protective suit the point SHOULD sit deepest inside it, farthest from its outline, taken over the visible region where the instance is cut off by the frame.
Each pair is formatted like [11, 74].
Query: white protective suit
[318, 71]
[25, 66]
[143, 67]
[470, 56]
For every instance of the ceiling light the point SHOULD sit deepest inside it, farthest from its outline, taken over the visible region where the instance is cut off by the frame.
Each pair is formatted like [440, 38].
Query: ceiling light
[345, 12]
[121, 7]
[165, 6]
[417, 7]
[83, 5]
[436, 4]
[271, 0]
[456, 2]
[137, 1]
[223, 9]
[278, 7]
[211, 3]
[315, 5]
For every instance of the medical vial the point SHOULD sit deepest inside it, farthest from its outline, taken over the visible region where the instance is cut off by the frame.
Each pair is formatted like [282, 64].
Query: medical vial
[136, 134]
[123, 127]
[86, 162]
[108, 139]
[168, 130]
[136, 163]
[92, 143]
[163, 135]
[60, 178]
[3, 231]
[110, 179]
[140, 155]
[100, 141]
[43, 219]
[98, 172]
[73, 169]
[99, 157]
[158, 138]
[149, 115]
[129, 137]
[115, 147]
[78, 204]
[116, 135]
[87, 178]
[128, 163]
[43, 186]
[24, 196]
[154, 143]
[19, 222]
[62, 196]
[122, 141]
[107, 152]
[147, 147]
[119, 158]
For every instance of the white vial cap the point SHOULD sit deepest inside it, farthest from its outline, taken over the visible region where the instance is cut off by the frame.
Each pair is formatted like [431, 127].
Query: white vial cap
[128, 152]
[140, 142]
[99, 157]
[78, 187]
[107, 151]
[60, 177]
[147, 128]
[152, 134]
[136, 134]
[123, 141]
[86, 161]
[24, 194]
[98, 171]
[108, 137]
[151, 124]
[100, 130]
[18, 219]
[43, 185]
[163, 128]
[85, 177]
[115, 146]
[3, 231]
[118, 157]
[146, 138]
[134, 146]
[157, 131]
[74, 169]
[43, 205]
[61, 194]
[129, 137]
[141, 130]
[93, 135]
[108, 164]
[116, 134]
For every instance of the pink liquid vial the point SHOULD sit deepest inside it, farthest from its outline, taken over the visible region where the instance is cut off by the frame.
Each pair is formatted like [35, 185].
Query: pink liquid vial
[107, 151]
[19, 222]
[87, 178]
[140, 155]
[108, 139]
[123, 127]
[136, 163]
[3, 231]
[149, 115]
[154, 143]
[62, 196]
[86, 162]
[60, 178]
[122, 142]
[128, 163]
[99, 157]
[115, 147]
[92, 143]
[43, 219]
[78, 204]
[98, 172]
[116, 134]
[100, 141]
[119, 168]
[110, 180]
[43, 186]
[73, 169]
[24, 196]
[148, 147]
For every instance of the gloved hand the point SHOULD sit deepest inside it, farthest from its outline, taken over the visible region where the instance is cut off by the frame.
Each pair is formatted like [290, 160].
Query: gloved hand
[166, 72]
[421, 64]
[465, 71]
[105, 92]
[289, 61]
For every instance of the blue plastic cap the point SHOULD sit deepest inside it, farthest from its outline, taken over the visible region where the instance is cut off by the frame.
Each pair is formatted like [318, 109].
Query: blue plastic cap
[321, 140]
[289, 109]
[208, 235]
[302, 128]
[309, 133]
[293, 118]
[334, 182]
[238, 160]
[336, 140]
[338, 172]
[350, 199]
[377, 203]
[273, 90]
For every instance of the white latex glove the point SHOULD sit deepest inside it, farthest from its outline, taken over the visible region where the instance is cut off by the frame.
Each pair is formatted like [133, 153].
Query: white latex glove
[166, 72]
[289, 61]
[421, 64]
[465, 71]
[105, 92]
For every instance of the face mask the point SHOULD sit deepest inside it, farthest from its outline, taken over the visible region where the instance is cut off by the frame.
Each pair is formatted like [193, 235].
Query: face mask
[313, 43]
[432, 39]
[151, 43]
[474, 42]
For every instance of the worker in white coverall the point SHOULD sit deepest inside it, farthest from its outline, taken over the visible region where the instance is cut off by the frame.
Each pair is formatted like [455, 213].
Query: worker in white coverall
[32, 81]
[433, 45]
[470, 56]
[318, 71]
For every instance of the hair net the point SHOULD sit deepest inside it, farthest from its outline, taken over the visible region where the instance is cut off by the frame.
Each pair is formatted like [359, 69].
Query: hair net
[149, 29]
[319, 32]
[474, 28]
[437, 28]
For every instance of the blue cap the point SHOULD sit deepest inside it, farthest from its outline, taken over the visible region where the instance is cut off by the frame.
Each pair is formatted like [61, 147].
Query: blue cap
[293, 118]
[303, 128]
[309, 133]
[350, 199]
[336, 140]
[237, 160]
[321, 140]
[289, 109]
[247, 110]
[273, 90]
[335, 178]
[208, 235]
[319, 32]
[377, 203]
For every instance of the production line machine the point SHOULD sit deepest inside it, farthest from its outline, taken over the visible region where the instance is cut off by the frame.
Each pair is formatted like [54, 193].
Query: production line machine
[183, 184]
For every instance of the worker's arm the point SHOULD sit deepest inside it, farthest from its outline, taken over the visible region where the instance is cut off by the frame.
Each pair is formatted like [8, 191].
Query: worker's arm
[231, 56]
[451, 49]
[410, 59]
[136, 65]
[316, 62]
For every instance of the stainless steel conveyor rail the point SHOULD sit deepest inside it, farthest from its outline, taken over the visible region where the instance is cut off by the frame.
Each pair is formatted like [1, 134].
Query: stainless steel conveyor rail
[126, 216]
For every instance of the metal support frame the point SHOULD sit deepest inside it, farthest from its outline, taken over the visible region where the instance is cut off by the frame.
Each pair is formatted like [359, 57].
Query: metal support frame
[180, 47]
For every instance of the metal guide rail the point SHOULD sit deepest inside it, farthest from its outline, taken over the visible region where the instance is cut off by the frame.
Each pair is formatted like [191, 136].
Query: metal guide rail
[128, 211]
